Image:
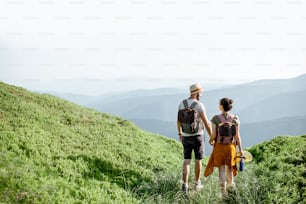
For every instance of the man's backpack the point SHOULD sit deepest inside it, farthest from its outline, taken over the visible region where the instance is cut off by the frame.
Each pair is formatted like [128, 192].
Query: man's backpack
[226, 130]
[189, 118]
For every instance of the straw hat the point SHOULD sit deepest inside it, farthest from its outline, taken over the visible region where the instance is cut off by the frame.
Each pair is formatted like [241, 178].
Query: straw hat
[247, 156]
[195, 88]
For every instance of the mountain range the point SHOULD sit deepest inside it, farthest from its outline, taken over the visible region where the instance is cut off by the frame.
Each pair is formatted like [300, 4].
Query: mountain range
[266, 108]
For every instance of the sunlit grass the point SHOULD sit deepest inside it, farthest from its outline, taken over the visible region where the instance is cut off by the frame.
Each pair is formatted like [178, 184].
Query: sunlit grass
[53, 151]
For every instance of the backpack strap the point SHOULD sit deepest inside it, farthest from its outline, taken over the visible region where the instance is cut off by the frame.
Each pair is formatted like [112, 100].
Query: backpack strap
[230, 118]
[185, 103]
[223, 119]
[193, 104]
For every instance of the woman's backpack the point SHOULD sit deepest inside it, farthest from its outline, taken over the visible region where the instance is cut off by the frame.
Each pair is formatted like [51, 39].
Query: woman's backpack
[226, 130]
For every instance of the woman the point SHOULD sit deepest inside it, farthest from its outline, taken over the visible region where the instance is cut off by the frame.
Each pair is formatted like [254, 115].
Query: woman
[224, 152]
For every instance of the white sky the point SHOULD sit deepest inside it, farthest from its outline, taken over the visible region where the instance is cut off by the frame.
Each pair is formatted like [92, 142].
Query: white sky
[49, 40]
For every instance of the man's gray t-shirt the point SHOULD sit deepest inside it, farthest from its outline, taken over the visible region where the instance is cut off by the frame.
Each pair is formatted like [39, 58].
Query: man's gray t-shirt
[199, 108]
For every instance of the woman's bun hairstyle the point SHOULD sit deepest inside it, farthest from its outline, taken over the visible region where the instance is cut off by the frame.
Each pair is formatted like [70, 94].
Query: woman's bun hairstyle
[227, 104]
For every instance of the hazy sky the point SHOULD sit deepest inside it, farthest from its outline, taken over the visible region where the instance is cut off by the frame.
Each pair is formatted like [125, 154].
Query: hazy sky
[47, 40]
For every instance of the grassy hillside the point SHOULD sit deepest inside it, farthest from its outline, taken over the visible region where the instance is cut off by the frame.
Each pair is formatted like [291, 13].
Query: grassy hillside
[276, 175]
[281, 169]
[53, 151]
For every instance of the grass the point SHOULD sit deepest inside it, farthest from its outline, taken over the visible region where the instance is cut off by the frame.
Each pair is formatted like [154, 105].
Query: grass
[276, 175]
[53, 151]
[281, 167]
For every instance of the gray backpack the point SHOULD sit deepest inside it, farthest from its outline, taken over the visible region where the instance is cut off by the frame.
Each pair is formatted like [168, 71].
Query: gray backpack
[189, 118]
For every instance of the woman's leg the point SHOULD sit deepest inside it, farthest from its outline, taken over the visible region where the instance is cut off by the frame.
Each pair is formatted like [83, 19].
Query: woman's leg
[229, 173]
[222, 181]
[230, 178]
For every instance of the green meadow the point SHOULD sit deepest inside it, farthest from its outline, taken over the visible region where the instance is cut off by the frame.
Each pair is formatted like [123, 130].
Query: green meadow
[54, 151]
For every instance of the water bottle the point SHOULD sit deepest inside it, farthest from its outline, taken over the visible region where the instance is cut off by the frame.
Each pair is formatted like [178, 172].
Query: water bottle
[241, 163]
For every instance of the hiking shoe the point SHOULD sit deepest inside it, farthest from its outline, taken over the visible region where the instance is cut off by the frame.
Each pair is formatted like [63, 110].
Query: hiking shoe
[222, 195]
[184, 188]
[232, 188]
[198, 185]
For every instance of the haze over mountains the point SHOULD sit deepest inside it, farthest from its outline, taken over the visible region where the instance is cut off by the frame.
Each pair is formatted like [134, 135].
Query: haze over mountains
[266, 108]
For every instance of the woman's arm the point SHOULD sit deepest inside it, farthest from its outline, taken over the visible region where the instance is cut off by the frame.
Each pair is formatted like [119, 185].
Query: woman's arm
[238, 139]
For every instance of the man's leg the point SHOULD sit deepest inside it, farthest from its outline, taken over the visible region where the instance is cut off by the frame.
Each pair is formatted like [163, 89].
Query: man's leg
[198, 151]
[198, 169]
[186, 170]
[197, 173]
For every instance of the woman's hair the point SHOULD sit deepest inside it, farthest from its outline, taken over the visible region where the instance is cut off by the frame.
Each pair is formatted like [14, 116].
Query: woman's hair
[226, 103]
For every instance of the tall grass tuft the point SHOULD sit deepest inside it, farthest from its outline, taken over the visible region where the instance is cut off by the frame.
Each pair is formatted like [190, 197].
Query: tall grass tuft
[166, 189]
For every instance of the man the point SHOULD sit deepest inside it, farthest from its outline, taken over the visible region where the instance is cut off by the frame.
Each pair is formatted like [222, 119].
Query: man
[193, 141]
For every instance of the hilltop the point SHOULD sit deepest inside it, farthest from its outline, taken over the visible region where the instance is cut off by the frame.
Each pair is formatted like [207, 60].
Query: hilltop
[53, 151]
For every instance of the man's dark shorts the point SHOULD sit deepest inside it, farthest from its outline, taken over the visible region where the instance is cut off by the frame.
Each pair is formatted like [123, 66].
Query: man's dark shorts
[195, 143]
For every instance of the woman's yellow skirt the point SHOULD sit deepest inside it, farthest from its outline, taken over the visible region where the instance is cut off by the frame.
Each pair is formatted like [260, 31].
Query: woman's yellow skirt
[222, 154]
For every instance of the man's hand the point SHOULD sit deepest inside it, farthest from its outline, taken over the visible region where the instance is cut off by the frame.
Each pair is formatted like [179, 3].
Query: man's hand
[212, 141]
[180, 137]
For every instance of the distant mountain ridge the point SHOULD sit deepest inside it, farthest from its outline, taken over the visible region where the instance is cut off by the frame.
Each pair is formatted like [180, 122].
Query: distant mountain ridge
[164, 106]
[251, 133]
[246, 96]
[256, 103]
[276, 106]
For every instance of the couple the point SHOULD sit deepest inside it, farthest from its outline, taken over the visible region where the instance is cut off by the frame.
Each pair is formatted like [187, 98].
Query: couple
[223, 155]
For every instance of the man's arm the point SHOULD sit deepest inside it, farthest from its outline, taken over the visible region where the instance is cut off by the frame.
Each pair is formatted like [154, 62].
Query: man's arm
[206, 123]
[213, 135]
[179, 130]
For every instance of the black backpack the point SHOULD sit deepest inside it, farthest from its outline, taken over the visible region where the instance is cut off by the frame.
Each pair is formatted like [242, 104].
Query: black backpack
[226, 130]
[189, 118]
